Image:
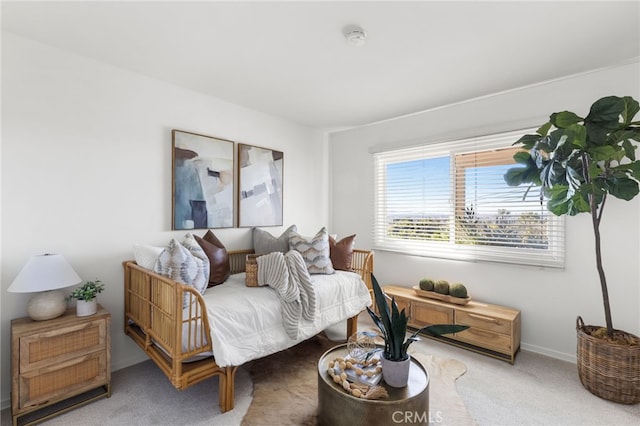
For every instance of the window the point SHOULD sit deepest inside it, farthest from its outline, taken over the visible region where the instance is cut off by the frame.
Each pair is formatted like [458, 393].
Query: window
[450, 200]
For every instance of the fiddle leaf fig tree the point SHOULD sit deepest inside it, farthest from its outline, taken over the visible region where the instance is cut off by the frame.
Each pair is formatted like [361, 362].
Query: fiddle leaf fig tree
[578, 162]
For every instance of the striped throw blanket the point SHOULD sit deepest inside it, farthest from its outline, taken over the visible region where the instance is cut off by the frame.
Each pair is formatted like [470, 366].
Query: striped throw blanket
[287, 274]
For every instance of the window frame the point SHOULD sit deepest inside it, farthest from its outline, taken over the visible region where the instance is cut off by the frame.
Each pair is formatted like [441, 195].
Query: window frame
[463, 154]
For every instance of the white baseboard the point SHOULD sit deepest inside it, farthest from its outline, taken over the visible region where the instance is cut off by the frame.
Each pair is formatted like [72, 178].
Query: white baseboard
[549, 352]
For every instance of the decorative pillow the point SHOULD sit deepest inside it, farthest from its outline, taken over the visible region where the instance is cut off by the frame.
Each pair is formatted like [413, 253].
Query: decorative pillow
[314, 251]
[146, 256]
[177, 263]
[341, 252]
[219, 267]
[202, 279]
[265, 243]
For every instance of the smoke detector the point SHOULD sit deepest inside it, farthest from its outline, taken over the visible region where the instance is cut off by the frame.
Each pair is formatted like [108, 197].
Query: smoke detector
[354, 35]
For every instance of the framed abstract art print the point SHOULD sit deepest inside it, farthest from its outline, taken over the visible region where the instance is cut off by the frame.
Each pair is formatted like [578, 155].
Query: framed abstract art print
[260, 177]
[202, 179]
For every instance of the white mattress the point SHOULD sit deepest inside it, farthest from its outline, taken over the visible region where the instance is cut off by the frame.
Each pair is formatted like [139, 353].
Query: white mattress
[246, 322]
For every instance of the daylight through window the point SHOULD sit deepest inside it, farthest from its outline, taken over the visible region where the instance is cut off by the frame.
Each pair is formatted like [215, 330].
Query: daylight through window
[450, 200]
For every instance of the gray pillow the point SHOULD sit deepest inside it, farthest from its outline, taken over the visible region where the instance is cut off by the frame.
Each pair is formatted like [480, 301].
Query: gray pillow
[265, 243]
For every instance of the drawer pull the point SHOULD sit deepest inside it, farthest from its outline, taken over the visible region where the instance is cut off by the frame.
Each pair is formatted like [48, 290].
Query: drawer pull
[481, 332]
[483, 318]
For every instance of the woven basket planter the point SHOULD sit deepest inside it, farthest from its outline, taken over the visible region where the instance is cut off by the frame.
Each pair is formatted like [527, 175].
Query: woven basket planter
[610, 371]
[251, 270]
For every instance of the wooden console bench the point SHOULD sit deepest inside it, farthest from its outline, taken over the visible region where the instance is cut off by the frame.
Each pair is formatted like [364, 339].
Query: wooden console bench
[493, 330]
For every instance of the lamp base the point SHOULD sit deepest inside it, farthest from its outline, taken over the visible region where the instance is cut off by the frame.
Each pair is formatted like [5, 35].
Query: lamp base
[46, 305]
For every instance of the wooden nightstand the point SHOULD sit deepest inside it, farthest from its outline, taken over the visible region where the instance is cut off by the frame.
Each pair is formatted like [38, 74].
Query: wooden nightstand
[65, 361]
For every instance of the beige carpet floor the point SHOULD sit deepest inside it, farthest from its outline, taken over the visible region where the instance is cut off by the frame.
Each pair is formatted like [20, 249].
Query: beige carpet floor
[537, 390]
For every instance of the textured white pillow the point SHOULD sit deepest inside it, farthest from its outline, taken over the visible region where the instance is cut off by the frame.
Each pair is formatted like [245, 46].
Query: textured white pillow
[201, 281]
[314, 251]
[177, 263]
[146, 256]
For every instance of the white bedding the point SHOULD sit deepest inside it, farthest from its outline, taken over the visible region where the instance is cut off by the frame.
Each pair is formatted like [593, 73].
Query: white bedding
[246, 322]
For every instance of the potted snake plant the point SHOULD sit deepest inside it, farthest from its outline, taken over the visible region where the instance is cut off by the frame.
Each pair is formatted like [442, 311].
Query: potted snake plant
[393, 326]
[577, 163]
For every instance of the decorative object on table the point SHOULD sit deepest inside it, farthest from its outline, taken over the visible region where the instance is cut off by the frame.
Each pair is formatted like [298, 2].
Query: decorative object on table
[577, 163]
[366, 372]
[260, 179]
[393, 325]
[202, 181]
[427, 284]
[361, 345]
[44, 275]
[86, 303]
[350, 377]
[442, 290]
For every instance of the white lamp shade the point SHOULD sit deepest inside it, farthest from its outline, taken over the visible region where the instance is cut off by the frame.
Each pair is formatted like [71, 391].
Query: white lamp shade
[44, 272]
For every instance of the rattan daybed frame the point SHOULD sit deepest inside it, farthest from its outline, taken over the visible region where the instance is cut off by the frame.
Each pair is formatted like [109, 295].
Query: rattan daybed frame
[153, 318]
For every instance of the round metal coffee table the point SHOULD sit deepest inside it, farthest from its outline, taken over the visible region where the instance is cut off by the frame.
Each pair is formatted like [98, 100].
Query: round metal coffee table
[404, 405]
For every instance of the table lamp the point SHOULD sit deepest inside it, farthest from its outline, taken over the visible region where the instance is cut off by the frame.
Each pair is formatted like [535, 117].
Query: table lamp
[44, 274]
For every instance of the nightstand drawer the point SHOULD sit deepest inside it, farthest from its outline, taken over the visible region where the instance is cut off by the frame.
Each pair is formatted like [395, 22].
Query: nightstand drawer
[56, 346]
[69, 378]
[483, 321]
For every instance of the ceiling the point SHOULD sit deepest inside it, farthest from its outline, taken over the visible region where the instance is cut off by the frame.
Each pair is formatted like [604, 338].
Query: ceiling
[290, 59]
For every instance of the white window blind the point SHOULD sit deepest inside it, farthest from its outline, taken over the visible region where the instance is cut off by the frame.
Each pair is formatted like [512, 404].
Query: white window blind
[450, 200]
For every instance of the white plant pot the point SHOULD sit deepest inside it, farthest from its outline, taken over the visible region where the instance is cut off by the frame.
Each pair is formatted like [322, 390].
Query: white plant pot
[84, 309]
[396, 373]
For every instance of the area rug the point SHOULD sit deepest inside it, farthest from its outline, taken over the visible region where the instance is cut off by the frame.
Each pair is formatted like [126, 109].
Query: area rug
[285, 387]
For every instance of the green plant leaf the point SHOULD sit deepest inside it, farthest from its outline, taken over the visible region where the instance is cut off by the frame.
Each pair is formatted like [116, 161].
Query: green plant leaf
[558, 202]
[631, 108]
[623, 188]
[515, 176]
[605, 112]
[441, 329]
[522, 157]
[629, 149]
[528, 141]
[564, 119]
[578, 135]
[600, 153]
[544, 129]
[635, 169]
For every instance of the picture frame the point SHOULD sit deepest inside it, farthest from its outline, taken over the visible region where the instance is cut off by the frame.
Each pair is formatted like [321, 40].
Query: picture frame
[203, 169]
[260, 186]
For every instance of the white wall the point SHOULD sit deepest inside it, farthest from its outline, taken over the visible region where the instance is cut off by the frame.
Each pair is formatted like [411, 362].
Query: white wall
[86, 171]
[550, 300]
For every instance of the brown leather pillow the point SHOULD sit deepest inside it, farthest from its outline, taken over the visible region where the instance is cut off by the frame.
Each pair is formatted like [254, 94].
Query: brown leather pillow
[218, 258]
[341, 252]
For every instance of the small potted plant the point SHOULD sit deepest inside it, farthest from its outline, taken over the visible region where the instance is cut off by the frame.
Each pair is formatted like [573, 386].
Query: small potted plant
[86, 297]
[393, 325]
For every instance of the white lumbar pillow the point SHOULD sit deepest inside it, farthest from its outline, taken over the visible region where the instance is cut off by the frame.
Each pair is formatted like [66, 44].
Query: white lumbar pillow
[146, 256]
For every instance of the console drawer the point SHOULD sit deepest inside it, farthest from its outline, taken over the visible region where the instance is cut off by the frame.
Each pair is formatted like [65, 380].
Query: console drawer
[422, 314]
[486, 339]
[483, 321]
